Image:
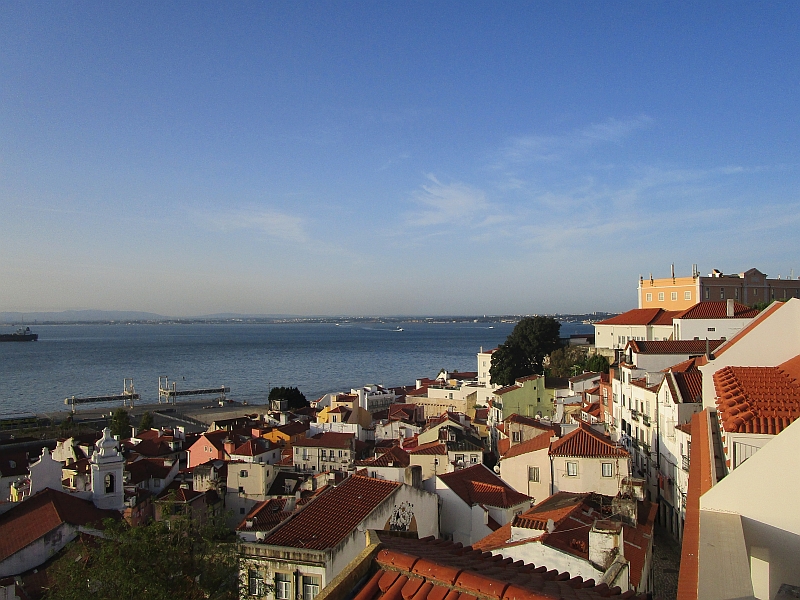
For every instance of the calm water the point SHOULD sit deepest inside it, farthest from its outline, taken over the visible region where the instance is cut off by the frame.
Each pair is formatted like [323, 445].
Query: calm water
[92, 360]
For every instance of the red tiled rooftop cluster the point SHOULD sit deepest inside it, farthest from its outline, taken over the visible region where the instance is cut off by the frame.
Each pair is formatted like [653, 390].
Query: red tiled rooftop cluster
[756, 399]
[430, 569]
[717, 310]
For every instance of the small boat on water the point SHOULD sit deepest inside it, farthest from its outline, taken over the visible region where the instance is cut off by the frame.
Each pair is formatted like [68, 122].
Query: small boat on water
[20, 335]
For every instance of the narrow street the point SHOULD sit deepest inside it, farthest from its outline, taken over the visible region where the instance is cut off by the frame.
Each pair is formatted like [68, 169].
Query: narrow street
[666, 564]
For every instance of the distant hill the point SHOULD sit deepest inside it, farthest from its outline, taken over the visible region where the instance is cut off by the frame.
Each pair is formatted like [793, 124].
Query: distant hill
[69, 316]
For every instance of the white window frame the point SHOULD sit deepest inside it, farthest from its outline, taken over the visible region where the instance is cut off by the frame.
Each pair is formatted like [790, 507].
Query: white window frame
[533, 474]
[687, 295]
[607, 469]
[310, 587]
[283, 587]
[255, 583]
[572, 468]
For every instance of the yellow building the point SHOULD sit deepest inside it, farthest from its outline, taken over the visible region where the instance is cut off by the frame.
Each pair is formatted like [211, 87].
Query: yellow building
[679, 293]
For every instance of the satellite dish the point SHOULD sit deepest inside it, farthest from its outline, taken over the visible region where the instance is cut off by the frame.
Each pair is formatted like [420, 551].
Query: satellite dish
[497, 469]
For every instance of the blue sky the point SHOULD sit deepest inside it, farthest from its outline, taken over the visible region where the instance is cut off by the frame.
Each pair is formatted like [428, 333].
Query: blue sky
[391, 158]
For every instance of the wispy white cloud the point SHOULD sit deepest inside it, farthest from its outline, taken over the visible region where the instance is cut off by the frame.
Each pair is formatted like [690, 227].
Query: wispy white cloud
[272, 223]
[454, 203]
[550, 148]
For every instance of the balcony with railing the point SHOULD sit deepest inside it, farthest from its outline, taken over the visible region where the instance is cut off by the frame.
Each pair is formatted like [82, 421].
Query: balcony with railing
[685, 463]
[646, 419]
[634, 415]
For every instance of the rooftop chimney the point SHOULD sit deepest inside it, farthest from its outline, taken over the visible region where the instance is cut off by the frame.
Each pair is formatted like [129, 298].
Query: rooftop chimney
[605, 542]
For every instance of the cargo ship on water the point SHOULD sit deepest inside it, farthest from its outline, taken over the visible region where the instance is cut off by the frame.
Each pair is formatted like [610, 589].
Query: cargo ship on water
[20, 335]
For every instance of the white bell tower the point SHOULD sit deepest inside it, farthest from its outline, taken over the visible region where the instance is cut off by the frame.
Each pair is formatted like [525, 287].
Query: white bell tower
[107, 466]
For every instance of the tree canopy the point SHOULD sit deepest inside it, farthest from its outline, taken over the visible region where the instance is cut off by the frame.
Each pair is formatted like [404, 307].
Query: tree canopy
[121, 423]
[574, 360]
[522, 353]
[292, 395]
[146, 421]
[154, 561]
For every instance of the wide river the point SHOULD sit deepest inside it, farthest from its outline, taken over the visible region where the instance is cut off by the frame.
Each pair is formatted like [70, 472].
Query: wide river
[93, 360]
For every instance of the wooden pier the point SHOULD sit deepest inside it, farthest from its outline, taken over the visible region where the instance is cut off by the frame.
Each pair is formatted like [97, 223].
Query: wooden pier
[128, 396]
[169, 391]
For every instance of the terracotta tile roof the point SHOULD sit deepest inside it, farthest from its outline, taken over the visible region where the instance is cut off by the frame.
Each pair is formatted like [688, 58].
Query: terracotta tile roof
[540, 442]
[43, 512]
[690, 384]
[642, 316]
[756, 399]
[329, 439]
[265, 515]
[431, 569]
[527, 378]
[394, 457]
[478, 485]
[674, 346]
[585, 441]
[687, 365]
[293, 428]
[717, 309]
[252, 447]
[506, 389]
[332, 516]
[503, 444]
[532, 422]
[685, 428]
[429, 448]
[481, 414]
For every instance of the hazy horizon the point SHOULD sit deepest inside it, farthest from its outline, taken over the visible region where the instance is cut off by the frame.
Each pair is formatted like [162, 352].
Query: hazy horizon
[450, 158]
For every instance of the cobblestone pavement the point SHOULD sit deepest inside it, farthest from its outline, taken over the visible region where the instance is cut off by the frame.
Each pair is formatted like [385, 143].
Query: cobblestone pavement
[666, 563]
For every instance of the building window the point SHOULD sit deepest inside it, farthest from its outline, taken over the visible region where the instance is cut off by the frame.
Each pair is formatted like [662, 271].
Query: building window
[608, 469]
[243, 473]
[515, 436]
[687, 295]
[572, 469]
[473, 458]
[736, 293]
[674, 295]
[109, 483]
[459, 458]
[712, 328]
[649, 297]
[722, 293]
[533, 474]
[283, 586]
[708, 293]
[660, 296]
[255, 583]
[310, 587]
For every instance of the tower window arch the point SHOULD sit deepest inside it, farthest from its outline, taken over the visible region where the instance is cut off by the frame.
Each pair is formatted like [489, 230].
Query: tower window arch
[109, 483]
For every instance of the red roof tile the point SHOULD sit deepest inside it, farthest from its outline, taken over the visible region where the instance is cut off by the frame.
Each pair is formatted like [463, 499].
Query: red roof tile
[540, 442]
[642, 316]
[717, 309]
[265, 515]
[756, 399]
[42, 513]
[585, 441]
[674, 346]
[394, 457]
[429, 448]
[431, 569]
[478, 485]
[329, 439]
[332, 516]
[533, 422]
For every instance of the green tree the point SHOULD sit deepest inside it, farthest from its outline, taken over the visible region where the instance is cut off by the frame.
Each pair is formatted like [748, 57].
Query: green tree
[154, 561]
[292, 395]
[121, 424]
[522, 354]
[596, 363]
[146, 421]
[567, 361]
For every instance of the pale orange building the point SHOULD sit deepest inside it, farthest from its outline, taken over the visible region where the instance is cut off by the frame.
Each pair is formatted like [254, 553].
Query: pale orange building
[679, 293]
